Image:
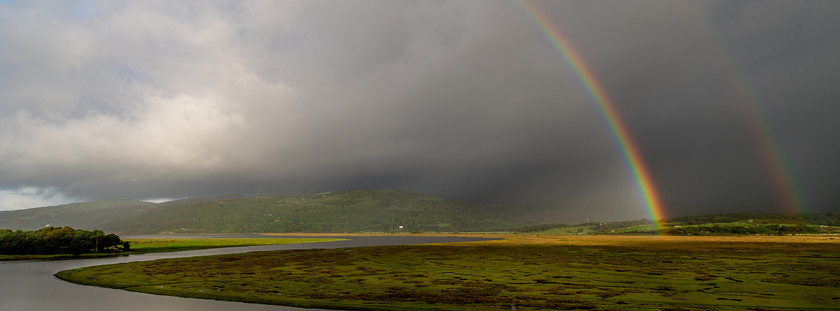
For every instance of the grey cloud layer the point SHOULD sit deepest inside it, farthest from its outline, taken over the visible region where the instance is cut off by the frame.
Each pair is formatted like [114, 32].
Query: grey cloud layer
[462, 99]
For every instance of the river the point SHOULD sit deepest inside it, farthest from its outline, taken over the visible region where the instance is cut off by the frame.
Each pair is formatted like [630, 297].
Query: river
[30, 285]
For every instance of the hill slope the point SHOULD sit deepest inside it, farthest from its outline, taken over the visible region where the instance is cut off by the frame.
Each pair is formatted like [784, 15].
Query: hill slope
[88, 215]
[343, 211]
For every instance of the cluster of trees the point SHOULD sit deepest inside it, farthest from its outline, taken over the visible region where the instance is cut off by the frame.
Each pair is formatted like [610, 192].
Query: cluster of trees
[735, 217]
[824, 218]
[58, 240]
[756, 229]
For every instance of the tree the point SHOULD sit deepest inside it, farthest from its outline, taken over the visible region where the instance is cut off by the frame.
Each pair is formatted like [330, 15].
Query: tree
[53, 240]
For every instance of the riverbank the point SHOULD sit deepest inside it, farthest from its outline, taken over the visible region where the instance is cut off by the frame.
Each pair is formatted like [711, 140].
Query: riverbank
[174, 244]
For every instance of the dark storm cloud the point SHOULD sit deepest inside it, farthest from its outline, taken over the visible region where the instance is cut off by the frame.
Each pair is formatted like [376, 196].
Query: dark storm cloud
[462, 99]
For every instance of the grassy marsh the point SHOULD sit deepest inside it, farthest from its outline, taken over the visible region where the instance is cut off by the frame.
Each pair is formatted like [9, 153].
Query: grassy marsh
[526, 271]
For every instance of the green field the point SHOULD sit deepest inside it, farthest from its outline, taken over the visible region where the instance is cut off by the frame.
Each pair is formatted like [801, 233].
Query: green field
[523, 272]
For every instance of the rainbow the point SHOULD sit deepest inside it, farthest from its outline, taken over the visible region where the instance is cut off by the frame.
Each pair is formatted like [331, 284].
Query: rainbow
[770, 150]
[629, 149]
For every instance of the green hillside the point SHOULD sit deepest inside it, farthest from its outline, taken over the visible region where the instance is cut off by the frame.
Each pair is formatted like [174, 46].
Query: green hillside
[341, 211]
[88, 215]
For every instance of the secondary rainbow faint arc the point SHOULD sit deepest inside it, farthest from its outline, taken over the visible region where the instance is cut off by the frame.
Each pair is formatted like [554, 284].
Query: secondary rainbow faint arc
[629, 149]
[770, 148]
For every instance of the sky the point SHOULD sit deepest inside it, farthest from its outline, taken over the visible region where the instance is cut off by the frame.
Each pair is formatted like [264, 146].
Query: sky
[731, 105]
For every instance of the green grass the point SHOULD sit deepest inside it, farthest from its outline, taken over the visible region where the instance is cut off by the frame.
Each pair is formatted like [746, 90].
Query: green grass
[143, 246]
[617, 273]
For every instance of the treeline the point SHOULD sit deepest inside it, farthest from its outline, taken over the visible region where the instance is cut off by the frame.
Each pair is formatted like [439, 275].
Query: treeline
[825, 218]
[774, 229]
[58, 240]
[735, 217]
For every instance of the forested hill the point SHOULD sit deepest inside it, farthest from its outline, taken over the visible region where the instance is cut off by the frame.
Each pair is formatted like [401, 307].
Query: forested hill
[342, 211]
[88, 215]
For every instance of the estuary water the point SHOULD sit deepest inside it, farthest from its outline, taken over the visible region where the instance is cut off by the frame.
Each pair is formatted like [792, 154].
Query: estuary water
[30, 285]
